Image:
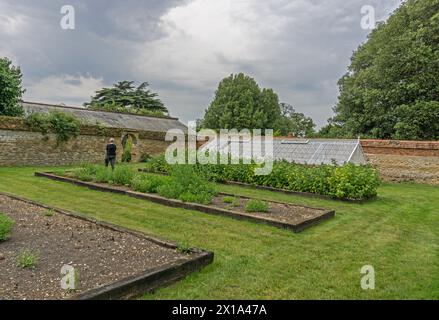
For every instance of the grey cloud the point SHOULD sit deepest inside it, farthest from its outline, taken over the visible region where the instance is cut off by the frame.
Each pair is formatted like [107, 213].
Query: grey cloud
[302, 59]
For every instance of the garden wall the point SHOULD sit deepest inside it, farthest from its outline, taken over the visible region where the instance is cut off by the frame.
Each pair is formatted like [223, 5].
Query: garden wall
[20, 145]
[399, 161]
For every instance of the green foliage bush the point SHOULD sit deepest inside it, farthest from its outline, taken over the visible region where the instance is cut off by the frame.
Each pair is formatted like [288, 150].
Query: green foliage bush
[345, 181]
[64, 125]
[123, 175]
[256, 206]
[6, 225]
[187, 185]
[148, 183]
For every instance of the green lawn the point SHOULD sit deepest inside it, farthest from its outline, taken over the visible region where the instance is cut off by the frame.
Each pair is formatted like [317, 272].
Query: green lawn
[398, 234]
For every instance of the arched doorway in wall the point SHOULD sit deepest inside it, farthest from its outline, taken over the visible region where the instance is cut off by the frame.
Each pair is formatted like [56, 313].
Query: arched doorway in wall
[129, 143]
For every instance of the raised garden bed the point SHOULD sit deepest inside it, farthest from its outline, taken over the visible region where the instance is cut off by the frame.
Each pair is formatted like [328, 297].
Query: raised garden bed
[282, 215]
[112, 262]
[298, 193]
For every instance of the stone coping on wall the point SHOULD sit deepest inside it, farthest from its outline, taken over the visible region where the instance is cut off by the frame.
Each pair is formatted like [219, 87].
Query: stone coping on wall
[401, 147]
[18, 124]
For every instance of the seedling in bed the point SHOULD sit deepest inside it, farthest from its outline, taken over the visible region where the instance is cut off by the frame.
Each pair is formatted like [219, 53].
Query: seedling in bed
[27, 259]
[229, 200]
[183, 248]
[6, 225]
[48, 212]
[256, 206]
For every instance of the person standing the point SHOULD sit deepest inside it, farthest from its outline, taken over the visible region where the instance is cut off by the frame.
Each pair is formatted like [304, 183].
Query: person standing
[110, 156]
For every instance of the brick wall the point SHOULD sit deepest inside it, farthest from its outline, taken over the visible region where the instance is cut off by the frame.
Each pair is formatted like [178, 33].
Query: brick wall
[20, 145]
[396, 147]
[404, 161]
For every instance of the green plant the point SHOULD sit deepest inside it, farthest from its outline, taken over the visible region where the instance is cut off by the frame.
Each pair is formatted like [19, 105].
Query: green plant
[48, 212]
[10, 89]
[6, 225]
[148, 183]
[187, 185]
[344, 181]
[127, 149]
[256, 206]
[27, 259]
[184, 248]
[145, 157]
[123, 175]
[229, 199]
[64, 125]
[103, 175]
[86, 172]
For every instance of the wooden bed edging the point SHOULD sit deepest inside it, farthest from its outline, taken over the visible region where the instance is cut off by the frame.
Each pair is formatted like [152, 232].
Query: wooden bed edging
[297, 193]
[144, 282]
[196, 206]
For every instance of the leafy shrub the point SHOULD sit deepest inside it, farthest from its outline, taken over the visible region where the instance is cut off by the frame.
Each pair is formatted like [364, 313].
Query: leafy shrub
[123, 175]
[27, 259]
[158, 164]
[103, 175]
[256, 206]
[64, 125]
[345, 181]
[6, 225]
[86, 172]
[148, 183]
[187, 185]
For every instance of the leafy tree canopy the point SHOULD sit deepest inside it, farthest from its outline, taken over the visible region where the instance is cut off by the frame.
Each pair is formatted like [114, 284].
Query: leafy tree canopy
[125, 97]
[239, 103]
[293, 123]
[10, 89]
[391, 88]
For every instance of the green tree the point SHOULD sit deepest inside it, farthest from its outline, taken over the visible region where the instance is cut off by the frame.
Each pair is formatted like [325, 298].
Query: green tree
[393, 72]
[239, 103]
[292, 122]
[10, 89]
[125, 97]
[419, 121]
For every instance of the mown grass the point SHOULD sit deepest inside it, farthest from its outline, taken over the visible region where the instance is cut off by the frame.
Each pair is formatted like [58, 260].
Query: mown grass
[398, 234]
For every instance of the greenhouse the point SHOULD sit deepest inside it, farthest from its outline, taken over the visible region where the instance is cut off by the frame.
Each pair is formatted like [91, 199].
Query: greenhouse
[304, 151]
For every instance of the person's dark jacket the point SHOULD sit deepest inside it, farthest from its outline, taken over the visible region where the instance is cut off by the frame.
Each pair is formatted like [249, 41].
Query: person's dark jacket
[111, 150]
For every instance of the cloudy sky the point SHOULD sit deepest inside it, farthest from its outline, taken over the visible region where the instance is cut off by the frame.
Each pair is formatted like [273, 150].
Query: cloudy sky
[300, 48]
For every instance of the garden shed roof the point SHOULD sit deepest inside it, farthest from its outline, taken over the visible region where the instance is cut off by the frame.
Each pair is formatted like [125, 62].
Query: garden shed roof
[110, 119]
[305, 151]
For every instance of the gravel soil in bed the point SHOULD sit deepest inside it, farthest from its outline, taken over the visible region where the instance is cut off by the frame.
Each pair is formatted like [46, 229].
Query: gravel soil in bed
[100, 255]
[283, 212]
